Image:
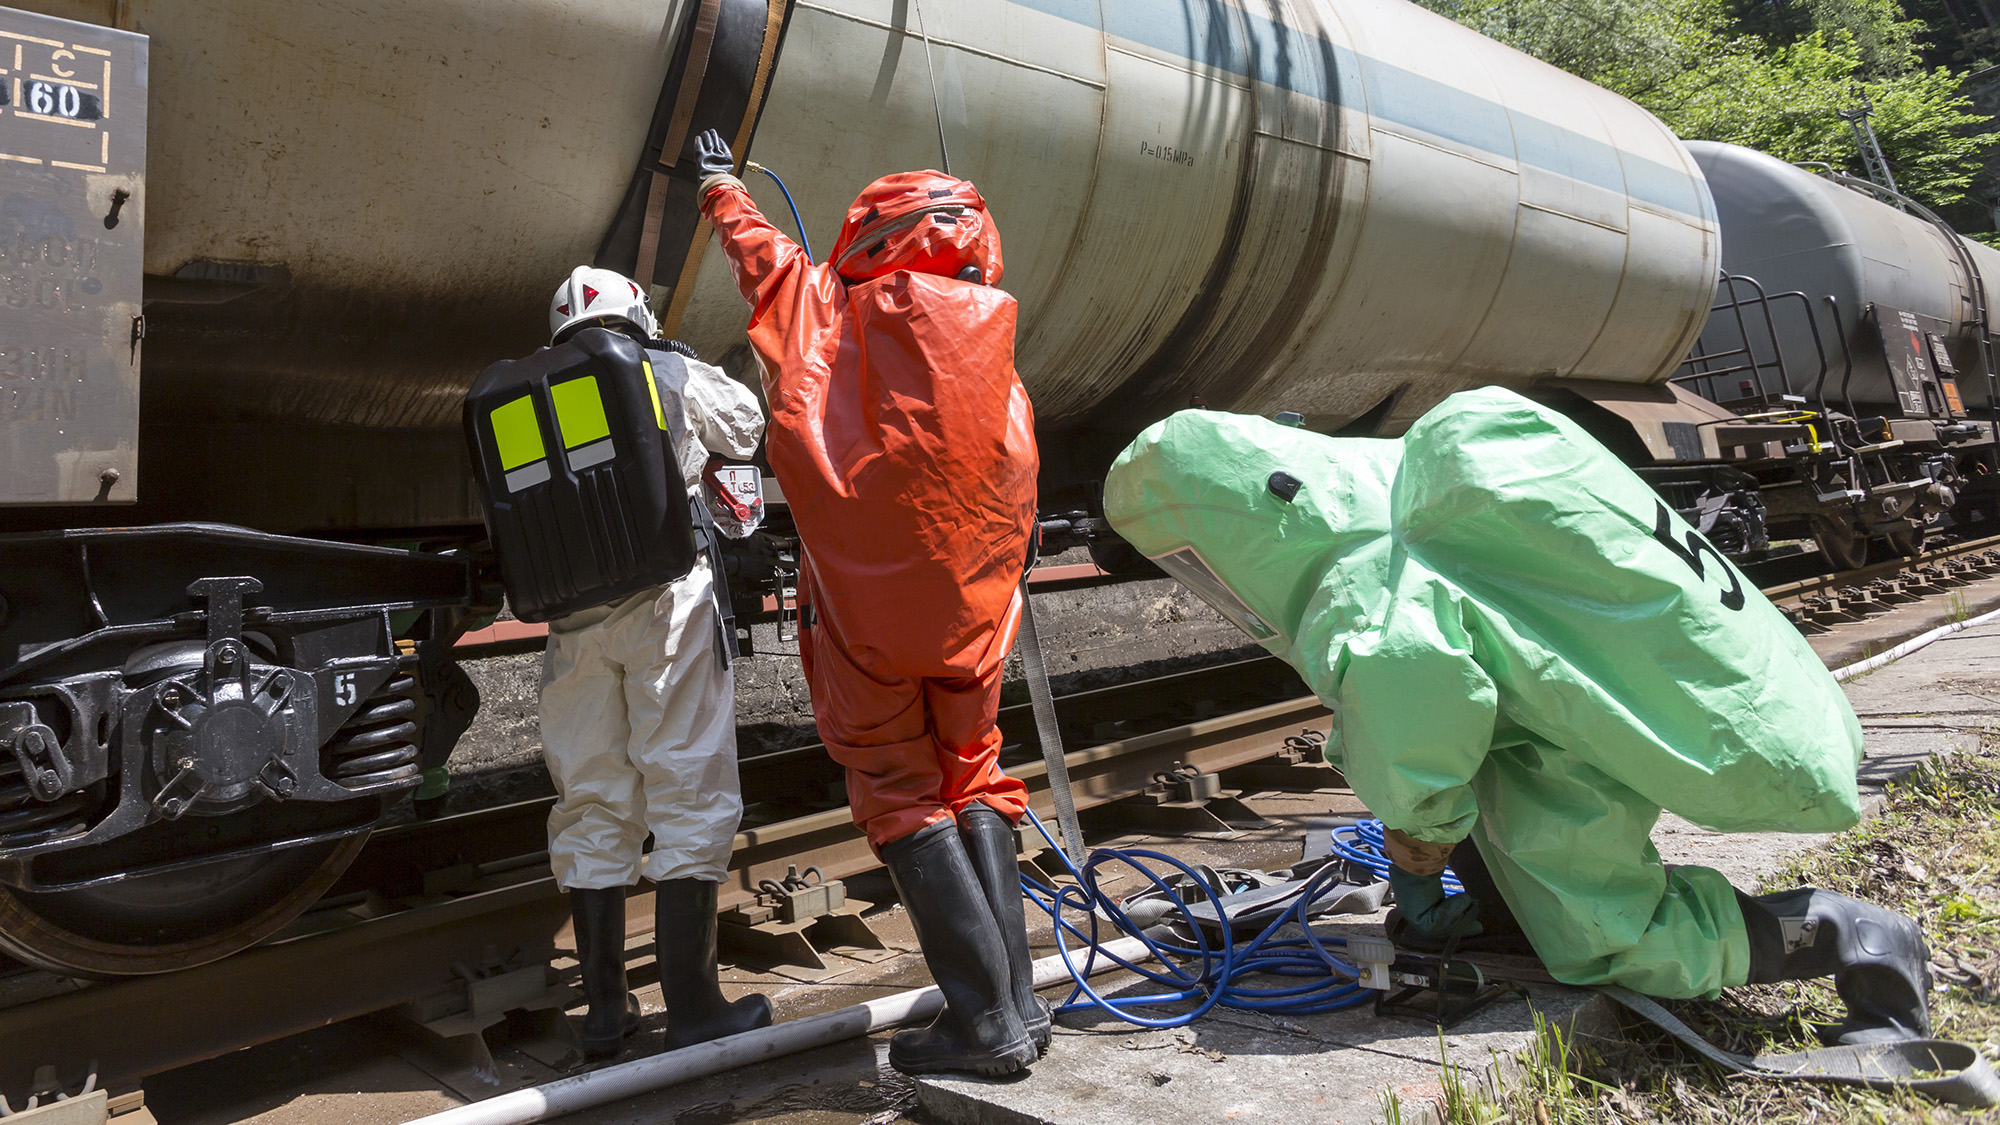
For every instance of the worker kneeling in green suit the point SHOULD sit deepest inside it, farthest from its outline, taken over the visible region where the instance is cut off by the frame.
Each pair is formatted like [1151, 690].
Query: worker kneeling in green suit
[1525, 648]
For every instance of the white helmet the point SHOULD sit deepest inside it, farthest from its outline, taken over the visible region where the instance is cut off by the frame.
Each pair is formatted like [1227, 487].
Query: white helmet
[593, 294]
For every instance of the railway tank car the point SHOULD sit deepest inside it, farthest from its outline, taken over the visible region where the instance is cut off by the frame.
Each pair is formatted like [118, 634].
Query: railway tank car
[1866, 317]
[340, 213]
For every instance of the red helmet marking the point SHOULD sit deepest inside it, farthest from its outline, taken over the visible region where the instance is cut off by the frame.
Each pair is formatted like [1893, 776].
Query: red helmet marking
[562, 310]
[589, 295]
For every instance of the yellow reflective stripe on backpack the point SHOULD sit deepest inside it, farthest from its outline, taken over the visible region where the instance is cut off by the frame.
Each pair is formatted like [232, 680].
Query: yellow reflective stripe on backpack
[653, 389]
[579, 412]
[517, 438]
[516, 433]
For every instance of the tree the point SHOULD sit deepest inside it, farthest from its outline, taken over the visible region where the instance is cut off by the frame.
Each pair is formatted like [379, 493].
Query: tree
[1768, 74]
[1787, 101]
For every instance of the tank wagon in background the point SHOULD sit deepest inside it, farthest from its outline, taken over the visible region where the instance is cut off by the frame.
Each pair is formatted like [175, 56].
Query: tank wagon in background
[238, 530]
[1852, 339]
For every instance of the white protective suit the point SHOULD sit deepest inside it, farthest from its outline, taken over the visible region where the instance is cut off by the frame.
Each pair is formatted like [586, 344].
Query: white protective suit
[638, 709]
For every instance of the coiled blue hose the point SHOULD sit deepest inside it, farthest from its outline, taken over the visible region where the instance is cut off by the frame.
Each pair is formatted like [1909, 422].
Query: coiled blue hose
[797, 223]
[1202, 975]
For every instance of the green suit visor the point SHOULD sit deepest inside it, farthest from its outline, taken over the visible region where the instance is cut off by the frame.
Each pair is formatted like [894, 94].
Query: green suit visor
[1187, 567]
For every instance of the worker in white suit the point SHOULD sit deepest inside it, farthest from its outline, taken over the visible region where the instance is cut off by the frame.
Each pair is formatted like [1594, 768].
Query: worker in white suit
[638, 712]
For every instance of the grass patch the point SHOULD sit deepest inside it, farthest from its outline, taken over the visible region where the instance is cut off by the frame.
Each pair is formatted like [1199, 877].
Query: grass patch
[1934, 854]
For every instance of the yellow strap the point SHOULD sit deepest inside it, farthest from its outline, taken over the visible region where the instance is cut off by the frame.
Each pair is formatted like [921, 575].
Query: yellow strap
[690, 92]
[649, 231]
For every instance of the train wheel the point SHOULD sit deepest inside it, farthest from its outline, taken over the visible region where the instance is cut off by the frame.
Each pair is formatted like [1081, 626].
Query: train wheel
[1908, 544]
[1844, 547]
[173, 919]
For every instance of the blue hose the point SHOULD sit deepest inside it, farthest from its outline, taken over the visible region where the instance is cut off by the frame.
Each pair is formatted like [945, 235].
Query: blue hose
[1202, 977]
[1361, 844]
[796, 221]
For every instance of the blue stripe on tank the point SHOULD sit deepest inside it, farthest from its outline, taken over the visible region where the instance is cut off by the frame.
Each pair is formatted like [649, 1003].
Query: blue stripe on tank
[1207, 32]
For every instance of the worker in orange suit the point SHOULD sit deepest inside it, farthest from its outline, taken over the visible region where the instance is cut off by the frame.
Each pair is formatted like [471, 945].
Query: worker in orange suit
[904, 443]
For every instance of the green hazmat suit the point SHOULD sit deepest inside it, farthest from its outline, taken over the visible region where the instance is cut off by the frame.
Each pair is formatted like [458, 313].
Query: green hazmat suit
[1521, 643]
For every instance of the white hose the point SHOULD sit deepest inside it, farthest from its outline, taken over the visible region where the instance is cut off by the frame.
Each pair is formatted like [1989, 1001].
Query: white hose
[1911, 645]
[630, 1079]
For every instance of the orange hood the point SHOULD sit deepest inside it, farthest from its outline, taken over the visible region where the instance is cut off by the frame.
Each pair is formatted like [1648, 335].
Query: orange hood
[923, 222]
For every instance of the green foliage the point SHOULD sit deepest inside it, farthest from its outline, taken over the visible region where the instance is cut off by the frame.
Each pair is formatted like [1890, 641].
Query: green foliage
[1787, 101]
[1885, 42]
[1960, 34]
[1767, 74]
[1623, 45]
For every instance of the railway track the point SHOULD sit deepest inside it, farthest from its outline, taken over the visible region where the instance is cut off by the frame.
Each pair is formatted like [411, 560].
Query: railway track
[458, 919]
[1823, 602]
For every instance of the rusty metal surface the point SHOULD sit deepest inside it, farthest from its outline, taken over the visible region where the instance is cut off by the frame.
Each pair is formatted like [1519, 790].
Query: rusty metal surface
[72, 223]
[1098, 775]
[1796, 593]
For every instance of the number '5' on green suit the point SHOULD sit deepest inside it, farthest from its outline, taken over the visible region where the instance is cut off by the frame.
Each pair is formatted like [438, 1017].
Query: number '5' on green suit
[1522, 644]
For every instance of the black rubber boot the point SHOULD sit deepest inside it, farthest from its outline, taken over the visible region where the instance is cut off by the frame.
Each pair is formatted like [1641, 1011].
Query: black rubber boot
[977, 1031]
[1876, 957]
[989, 843]
[599, 917]
[684, 933]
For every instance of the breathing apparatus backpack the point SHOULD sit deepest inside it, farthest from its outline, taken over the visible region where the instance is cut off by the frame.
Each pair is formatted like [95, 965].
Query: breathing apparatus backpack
[577, 478]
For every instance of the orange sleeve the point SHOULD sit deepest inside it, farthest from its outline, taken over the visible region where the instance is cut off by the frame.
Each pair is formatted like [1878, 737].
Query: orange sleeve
[761, 258]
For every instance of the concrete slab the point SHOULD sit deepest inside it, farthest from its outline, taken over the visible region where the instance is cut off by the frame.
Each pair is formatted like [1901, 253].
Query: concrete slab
[1248, 1066]
[1341, 1067]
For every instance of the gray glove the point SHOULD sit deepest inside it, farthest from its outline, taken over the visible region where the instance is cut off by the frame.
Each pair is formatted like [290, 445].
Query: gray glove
[712, 156]
[1432, 918]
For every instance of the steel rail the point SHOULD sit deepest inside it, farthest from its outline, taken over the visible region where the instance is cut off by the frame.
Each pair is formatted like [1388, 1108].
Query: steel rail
[1794, 593]
[429, 857]
[139, 1026]
[347, 968]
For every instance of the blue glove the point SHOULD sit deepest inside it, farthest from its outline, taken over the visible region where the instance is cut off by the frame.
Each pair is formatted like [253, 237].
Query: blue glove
[712, 156]
[1429, 915]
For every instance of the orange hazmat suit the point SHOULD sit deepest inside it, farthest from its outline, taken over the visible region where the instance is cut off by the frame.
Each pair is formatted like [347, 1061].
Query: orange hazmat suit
[904, 443]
